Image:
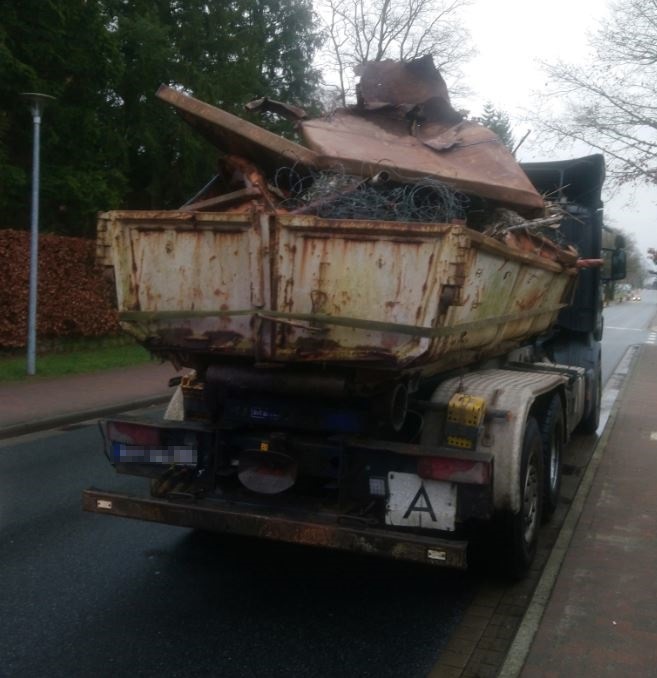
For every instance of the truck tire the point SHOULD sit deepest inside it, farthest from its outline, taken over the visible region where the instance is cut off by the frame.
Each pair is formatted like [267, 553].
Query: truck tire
[520, 530]
[589, 423]
[552, 434]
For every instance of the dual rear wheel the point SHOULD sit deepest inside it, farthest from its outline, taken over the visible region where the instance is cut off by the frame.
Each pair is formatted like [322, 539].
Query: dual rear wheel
[519, 531]
[539, 487]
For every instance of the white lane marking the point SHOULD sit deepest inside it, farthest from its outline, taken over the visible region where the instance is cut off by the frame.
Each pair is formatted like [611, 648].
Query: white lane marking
[652, 338]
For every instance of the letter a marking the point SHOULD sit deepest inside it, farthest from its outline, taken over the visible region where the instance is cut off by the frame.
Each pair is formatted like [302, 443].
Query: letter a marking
[415, 506]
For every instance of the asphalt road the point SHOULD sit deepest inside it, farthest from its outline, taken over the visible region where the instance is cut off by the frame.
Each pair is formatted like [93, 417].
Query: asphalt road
[625, 324]
[84, 594]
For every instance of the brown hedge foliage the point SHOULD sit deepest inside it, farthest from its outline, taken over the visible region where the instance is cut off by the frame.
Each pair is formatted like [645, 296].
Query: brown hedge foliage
[74, 300]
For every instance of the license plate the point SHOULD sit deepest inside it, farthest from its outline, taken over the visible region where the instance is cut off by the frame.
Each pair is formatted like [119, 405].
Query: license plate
[174, 454]
[415, 502]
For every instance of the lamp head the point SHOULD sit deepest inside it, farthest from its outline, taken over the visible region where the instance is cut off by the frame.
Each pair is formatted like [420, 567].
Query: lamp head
[37, 101]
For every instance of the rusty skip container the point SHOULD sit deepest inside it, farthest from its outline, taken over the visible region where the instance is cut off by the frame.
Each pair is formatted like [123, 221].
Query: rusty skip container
[202, 288]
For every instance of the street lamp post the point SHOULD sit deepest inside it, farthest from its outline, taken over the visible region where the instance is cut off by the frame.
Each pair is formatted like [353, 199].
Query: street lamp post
[37, 103]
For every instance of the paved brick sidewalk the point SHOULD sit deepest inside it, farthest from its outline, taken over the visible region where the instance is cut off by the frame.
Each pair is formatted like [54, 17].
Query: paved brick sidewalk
[601, 619]
[40, 400]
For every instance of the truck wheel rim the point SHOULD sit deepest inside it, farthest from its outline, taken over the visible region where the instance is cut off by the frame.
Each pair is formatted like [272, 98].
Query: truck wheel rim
[530, 501]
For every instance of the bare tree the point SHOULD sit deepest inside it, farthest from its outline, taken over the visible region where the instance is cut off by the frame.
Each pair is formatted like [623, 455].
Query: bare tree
[361, 30]
[611, 103]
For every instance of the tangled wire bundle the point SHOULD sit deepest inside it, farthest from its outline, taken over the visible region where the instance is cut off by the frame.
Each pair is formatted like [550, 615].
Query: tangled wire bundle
[337, 195]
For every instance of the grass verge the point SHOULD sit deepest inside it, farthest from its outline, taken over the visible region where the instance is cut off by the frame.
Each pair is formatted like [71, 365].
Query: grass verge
[13, 368]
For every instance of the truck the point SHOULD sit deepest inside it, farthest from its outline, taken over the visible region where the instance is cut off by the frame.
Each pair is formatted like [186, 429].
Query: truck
[384, 387]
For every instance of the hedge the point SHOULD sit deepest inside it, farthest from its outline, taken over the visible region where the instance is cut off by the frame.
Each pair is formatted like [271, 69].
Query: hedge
[74, 299]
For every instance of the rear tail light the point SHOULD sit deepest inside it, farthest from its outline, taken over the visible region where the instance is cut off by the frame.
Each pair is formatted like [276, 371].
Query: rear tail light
[455, 470]
[132, 434]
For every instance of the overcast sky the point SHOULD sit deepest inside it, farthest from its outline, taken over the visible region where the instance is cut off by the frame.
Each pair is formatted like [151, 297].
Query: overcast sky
[511, 36]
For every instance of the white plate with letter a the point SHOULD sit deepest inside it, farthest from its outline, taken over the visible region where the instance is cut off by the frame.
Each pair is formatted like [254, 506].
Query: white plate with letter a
[415, 502]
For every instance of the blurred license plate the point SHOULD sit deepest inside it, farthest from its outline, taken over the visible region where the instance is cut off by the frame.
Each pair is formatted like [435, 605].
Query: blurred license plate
[174, 454]
[415, 502]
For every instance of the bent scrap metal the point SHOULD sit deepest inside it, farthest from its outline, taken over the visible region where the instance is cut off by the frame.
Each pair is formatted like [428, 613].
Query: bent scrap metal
[258, 271]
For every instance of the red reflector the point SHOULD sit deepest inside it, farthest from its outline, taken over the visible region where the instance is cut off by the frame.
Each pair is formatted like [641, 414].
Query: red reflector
[454, 470]
[132, 434]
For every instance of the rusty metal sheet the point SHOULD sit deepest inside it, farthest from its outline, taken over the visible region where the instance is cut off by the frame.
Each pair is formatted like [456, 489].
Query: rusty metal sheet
[236, 136]
[404, 125]
[299, 289]
[468, 295]
[467, 156]
[228, 517]
[265, 104]
[406, 85]
[180, 262]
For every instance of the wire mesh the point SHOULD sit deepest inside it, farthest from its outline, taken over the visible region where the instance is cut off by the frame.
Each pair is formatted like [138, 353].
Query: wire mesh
[338, 195]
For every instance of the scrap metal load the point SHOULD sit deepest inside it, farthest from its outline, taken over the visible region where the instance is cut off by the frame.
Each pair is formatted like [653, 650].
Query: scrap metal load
[397, 237]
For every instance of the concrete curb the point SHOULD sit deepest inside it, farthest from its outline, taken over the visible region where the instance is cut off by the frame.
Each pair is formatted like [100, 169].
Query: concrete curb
[529, 625]
[57, 421]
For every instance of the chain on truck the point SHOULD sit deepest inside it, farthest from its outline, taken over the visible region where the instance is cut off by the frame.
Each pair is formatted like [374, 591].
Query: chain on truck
[363, 385]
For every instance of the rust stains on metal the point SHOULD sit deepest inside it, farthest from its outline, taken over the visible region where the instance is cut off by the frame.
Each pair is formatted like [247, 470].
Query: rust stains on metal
[398, 295]
[405, 86]
[315, 346]
[403, 125]
[471, 159]
[236, 136]
[259, 282]
[228, 200]
[531, 301]
[265, 104]
[220, 516]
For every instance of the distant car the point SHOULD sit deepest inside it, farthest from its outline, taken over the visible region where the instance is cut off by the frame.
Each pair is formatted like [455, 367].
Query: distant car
[636, 297]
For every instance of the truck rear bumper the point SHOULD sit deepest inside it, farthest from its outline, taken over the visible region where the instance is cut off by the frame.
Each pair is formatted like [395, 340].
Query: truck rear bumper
[229, 518]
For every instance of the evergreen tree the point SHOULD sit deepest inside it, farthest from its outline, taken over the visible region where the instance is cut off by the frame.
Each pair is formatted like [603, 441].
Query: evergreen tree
[107, 142]
[65, 50]
[225, 53]
[499, 122]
